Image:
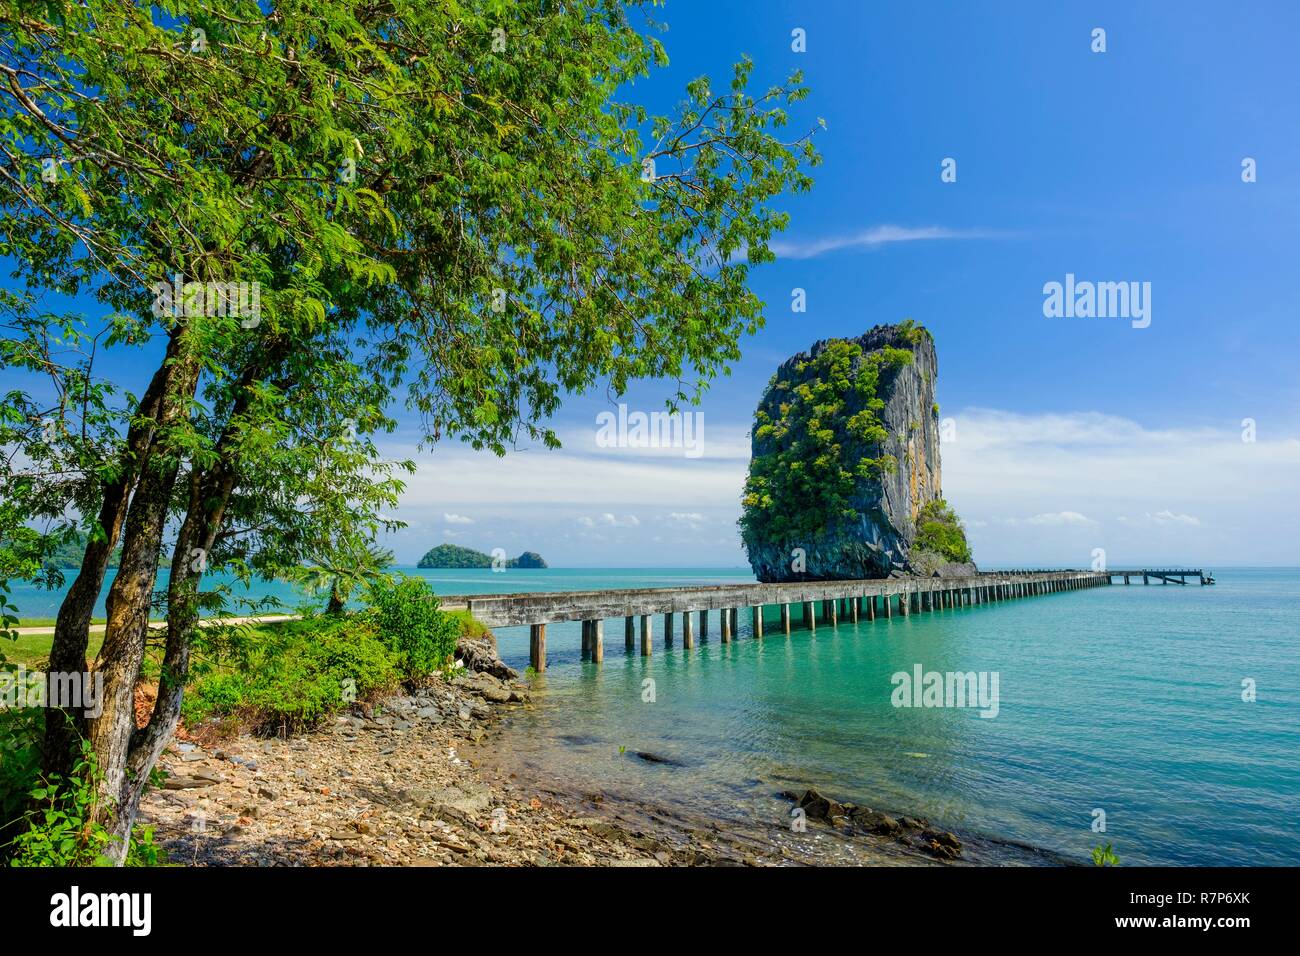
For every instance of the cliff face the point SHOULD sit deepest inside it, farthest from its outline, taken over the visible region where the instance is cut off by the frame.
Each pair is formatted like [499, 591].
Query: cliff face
[845, 456]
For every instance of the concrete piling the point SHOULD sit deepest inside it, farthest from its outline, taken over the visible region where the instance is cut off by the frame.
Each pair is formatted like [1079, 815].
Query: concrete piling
[537, 647]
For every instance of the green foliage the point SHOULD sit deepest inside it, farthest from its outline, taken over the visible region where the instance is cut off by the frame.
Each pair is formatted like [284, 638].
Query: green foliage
[912, 333]
[468, 625]
[940, 531]
[20, 756]
[816, 436]
[1104, 856]
[51, 821]
[481, 230]
[342, 570]
[406, 616]
[291, 676]
[63, 551]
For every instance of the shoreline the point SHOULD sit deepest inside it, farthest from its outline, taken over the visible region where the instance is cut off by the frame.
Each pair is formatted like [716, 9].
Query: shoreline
[401, 783]
[427, 779]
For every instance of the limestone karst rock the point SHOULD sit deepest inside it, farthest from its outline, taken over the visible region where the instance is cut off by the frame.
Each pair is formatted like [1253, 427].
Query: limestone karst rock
[845, 464]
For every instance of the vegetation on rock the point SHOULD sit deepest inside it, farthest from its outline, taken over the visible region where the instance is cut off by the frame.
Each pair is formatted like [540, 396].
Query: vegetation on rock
[811, 430]
[455, 556]
[939, 531]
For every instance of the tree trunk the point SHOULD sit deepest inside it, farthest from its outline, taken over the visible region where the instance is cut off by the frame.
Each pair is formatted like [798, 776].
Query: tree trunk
[208, 498]
[138, 750]
[63, 727]
[129, 599]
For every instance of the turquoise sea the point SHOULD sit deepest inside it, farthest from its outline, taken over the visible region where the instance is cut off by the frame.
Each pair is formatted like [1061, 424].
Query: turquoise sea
[1122, 699]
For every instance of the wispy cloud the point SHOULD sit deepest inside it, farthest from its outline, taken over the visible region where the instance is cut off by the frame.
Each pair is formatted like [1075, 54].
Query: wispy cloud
[875, 237]
[1053, 518]
[1165, 517]
[1181, 493]
[610, 520]
[457, 519]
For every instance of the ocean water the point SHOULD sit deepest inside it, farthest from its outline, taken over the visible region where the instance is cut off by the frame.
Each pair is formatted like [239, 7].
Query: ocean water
[1126, 700]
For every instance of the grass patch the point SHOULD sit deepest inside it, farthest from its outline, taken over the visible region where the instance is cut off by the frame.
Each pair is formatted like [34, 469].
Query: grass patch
[33, 650]
[51, 621]
[469, 625]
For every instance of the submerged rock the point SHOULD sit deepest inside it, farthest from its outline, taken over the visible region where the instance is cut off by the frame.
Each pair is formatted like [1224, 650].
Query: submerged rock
[910, 832]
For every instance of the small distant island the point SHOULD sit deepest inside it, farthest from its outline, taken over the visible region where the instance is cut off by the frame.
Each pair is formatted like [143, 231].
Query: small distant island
[454, 556]
[66, 553]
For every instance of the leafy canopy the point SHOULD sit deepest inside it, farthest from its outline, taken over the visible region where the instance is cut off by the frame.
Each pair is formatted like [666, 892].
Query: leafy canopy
[453, 201]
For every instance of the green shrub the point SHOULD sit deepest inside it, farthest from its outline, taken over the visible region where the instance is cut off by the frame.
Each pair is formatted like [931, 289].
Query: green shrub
[939, 531]
[295, 675]
[405, 613]
[49, 821]
[21, 729]
[468, 625]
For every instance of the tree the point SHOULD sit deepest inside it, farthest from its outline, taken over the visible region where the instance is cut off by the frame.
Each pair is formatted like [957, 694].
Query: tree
[293, 214]
[342, 570]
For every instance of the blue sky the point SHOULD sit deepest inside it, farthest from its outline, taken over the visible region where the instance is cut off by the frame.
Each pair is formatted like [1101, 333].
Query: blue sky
[1070, 434]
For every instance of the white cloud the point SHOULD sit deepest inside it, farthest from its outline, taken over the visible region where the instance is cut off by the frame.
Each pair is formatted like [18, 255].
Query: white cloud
[1169, 517]
[1060, 518]
[627, 521]
[1032, 488]
[1162, 517]
[874, 237]
[691, 519]
[456, 519]
[1186, 493]
[609, 520]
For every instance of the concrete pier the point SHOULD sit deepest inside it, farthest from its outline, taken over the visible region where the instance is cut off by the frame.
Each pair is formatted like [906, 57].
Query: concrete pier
[869, 600]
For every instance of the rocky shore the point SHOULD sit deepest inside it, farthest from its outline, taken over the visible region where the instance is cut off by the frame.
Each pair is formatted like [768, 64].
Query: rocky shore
[395, 783]
[404, 782]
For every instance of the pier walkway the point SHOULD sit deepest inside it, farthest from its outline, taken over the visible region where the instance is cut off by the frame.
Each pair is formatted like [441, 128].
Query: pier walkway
[807, 603]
